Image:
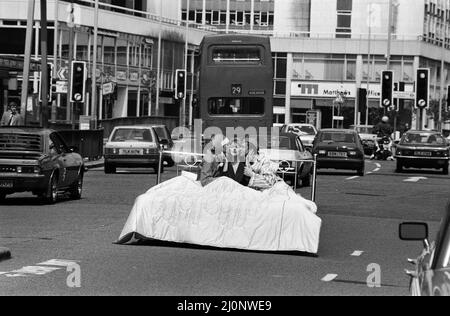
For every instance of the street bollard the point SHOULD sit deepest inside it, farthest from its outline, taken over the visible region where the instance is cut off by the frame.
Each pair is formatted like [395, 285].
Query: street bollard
[314, 184]
[160, 163]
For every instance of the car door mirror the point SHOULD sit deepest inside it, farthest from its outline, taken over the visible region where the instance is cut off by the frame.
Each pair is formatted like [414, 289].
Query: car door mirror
[413, 231]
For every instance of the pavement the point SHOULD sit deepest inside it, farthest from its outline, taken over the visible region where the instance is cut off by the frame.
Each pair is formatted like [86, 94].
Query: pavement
[359, 234]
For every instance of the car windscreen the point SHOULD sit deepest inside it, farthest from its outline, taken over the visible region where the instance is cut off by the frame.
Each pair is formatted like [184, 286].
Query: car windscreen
[161, 132]
[333, 137]
[132, 135]
[423, 139]
[306, 130]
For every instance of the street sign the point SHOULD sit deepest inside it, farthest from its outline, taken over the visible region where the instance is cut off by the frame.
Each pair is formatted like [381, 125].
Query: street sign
[108, 88]
[62, 87]
[405, 95]
[63, 73]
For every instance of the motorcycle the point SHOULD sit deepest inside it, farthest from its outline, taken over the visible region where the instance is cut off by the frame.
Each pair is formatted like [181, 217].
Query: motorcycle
[383, 151]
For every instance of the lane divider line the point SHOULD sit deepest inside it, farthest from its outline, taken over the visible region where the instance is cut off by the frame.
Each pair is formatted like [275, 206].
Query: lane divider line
[357, 253]
[329, 277]
[352, 178]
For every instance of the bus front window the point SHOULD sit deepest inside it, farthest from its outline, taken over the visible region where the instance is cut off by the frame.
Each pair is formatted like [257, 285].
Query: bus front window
[233, 106]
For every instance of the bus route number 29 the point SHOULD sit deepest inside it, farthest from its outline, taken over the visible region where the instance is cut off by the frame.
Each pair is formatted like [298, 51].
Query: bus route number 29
[236, 89]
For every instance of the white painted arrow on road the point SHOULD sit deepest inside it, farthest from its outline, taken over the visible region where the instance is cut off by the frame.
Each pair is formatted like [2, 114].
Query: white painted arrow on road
[415, 179]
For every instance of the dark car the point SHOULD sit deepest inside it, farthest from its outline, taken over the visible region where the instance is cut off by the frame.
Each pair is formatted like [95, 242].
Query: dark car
[339, 149]
[431, 276]
[38, 161]
[423, 149]
[292, 155]
[166, 141]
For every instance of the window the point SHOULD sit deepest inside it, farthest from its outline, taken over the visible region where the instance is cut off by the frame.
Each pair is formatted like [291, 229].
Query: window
[122, 52]
[132, 135]
[109, 49]
[344, 5]
[237, 55]
[215, 18]
[231, 106]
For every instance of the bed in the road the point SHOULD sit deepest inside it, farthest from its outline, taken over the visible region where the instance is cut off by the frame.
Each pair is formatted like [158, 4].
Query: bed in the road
[225, 214]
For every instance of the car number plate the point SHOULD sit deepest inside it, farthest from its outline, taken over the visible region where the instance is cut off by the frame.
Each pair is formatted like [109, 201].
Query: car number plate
[131, 152]
[422, 153]
[6, 184]
[337, 154]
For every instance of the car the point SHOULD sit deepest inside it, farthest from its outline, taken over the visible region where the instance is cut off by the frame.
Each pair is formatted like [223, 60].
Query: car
[39, 161]
[368, 138]
[431, 276]
[132, 147]
[307, 132]
[339, 149]
[423, 149]
[166, 140]
[289, 150]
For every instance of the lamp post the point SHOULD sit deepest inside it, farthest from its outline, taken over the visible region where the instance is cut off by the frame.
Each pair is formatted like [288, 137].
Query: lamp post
[94, 67]
[368, 63]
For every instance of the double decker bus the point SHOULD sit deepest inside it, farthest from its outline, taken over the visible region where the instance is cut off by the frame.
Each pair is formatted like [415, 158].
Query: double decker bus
[236, 82]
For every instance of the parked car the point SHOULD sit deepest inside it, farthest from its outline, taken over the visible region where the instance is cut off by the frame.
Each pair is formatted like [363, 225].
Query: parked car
[166, 141]
[368, 137]
[339, 149]
[307, 132]
[290, 150]
[132, 147]
[423, 149]
[431, 276]
[39, 161]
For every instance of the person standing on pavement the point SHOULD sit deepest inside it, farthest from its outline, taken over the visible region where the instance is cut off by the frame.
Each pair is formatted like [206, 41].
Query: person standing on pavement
[12, 117]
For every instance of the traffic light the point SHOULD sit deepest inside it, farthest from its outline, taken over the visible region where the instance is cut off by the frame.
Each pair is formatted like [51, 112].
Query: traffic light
[422, 88]
[78, 81]
[49, 83]
[448, 99]
[180, 84]
[387, 88]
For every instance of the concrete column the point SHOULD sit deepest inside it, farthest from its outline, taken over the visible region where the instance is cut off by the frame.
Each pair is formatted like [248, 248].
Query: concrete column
[290, 64]
[204, 12]
[228, 17]
[252, 14]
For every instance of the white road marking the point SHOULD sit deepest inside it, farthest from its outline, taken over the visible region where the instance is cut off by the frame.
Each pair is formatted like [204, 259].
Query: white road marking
[357, 253]
[14, 275]
[376, 170]
[35, 270]
[415, 179]
[378, 165]
[58, 263]
[352, 178]
[329, 277]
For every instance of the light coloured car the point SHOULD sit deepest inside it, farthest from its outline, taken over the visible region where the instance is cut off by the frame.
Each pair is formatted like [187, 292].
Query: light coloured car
[132, 147]
[306, 132]
[368, 137]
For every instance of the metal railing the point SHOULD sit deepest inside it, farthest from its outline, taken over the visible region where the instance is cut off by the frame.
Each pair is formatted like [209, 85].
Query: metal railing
[196, 164]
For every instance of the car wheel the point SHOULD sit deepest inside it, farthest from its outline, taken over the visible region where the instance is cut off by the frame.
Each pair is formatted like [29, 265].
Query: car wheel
[156, 168]
[306, 181]
[51, 194]
[170, 162]
[110, 169]
[445, 170]
[361, 172]
[399, 167]
[77, 189]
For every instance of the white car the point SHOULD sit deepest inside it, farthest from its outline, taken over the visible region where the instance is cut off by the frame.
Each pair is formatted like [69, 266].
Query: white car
[132, 147]
[306, 132]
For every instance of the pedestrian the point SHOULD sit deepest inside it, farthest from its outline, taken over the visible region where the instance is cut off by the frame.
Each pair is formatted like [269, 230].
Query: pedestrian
[12, 117]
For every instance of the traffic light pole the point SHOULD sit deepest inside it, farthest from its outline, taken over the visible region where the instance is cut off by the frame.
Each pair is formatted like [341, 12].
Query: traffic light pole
[44, 70]
[27, 60]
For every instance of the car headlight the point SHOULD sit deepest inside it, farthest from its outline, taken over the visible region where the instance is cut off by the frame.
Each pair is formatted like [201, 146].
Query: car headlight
[322, 152]
[19, 170]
